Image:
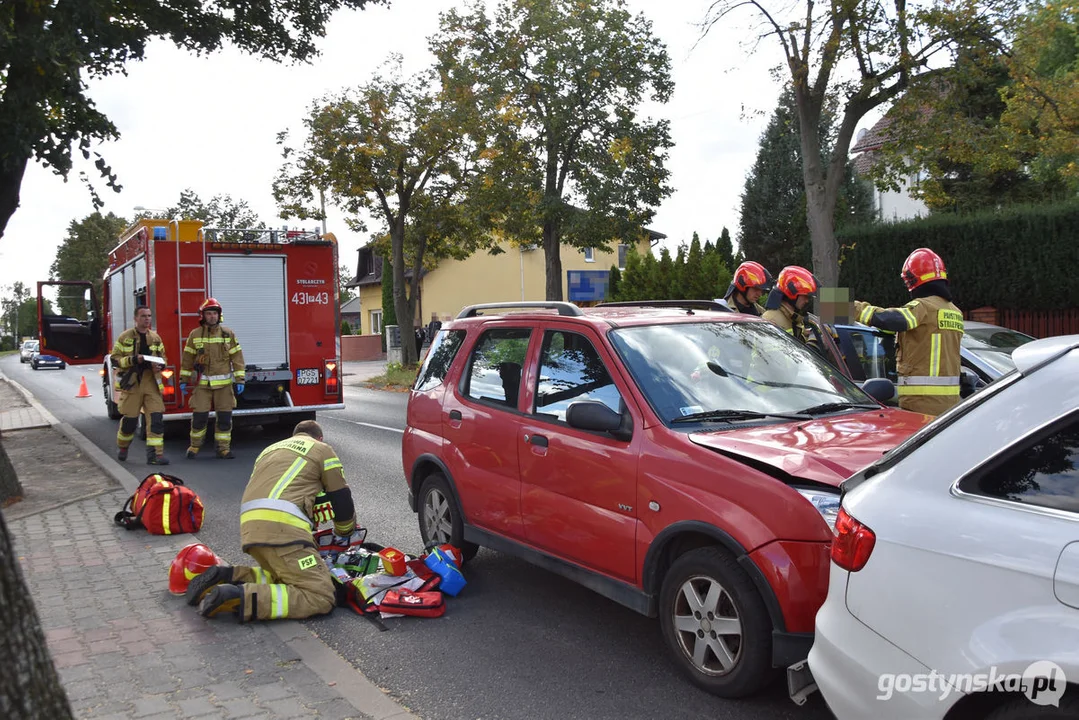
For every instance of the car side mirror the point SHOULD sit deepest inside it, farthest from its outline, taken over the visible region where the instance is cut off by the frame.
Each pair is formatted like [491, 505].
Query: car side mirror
[969, 382]
[880, 389]
[595, 416]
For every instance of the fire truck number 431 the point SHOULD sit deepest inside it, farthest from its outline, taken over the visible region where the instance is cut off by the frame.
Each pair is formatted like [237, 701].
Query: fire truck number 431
[302, 298]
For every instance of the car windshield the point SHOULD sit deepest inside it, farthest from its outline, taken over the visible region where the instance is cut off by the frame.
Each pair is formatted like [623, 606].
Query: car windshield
[994, 338]
[730, 370]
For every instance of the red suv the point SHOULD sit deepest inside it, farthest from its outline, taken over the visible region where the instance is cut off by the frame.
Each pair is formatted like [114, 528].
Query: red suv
[682, 462]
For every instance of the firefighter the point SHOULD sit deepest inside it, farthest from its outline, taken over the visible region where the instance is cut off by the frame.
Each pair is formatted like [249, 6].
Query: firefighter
[141, 387]
[276, 524]
[213, 361]
[789, 301]
[930, 328]
[750, 281]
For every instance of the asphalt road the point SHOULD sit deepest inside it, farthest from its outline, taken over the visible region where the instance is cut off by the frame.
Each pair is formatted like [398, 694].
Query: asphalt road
[518, 642]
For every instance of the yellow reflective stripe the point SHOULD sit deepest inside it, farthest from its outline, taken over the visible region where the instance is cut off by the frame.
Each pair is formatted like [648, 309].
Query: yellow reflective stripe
[867, 314]
[234, 350]
[165, 514]
[278, 601]
[226, 435]
[331, 464]
[190, 349]
[261, 576]
[277, 516]
[128, 438]
[210, 341]
[288, 477]
[198, 433]
[934, 355]
[912, 322]
[928, 389]
[155, 441]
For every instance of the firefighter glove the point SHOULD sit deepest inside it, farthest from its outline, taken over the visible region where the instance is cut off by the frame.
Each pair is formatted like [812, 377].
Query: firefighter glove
[183, 389]
[239, 388]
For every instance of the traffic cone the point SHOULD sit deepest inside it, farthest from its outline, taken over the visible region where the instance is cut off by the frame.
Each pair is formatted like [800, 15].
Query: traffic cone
[83, 392]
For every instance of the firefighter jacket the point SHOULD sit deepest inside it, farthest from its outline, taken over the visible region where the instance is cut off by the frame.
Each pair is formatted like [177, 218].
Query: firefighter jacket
[124, 351]
[792, 322]
[928, 356]
[212, 357]
[750, 309]
[278, 505]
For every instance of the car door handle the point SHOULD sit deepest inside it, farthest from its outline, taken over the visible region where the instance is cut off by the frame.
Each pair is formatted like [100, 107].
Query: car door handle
[540, 440]
[455, 414]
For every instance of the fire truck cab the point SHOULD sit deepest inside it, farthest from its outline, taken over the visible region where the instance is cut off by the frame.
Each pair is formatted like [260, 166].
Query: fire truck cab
[278, 290]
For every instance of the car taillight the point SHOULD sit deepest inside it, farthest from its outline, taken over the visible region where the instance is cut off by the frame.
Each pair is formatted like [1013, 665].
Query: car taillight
[168, 392]
[853, 542]
[331, 376]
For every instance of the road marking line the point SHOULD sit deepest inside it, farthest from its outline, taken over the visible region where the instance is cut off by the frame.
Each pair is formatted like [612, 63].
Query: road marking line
[370, 425]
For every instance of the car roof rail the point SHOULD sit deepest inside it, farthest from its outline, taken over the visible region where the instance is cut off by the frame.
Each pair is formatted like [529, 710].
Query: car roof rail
[688, 304]
[564, 308]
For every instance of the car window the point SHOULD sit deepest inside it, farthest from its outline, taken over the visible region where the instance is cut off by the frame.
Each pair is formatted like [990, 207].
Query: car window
[690, 368]
[571, 370]
[874, 354]
[494, 370]
[1043, 472]
[439, 358]
[999, 338]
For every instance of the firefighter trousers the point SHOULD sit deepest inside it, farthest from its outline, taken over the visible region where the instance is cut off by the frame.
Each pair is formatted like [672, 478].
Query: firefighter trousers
[929, 404]
[145, 396]
[289, 582]
[222, 401]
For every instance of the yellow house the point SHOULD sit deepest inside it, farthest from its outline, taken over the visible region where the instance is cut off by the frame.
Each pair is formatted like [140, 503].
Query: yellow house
[513, 274]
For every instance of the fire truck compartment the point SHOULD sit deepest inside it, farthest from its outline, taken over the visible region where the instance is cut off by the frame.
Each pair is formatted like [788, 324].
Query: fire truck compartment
[251, 290]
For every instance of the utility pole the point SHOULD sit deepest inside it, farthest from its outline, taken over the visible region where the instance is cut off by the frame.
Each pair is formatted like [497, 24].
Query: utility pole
[322, 204]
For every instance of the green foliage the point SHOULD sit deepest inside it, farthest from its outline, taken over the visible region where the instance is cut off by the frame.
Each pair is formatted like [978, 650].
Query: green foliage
[989, 257]
[18, 311]
[50, 52]
[346, 329]
[84, 253]
[614, 281]
[344, 277]
[389, 312]
[559, 85]
[694, 274]
[220, 212]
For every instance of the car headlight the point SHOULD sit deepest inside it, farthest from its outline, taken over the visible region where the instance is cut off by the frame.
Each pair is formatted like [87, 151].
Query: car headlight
[826, 502]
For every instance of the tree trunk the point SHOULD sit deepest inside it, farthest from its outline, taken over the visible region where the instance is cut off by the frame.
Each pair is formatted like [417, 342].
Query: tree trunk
[552, 255]
[11, 175]
[29, 685]
[821, 192]
[400, 296]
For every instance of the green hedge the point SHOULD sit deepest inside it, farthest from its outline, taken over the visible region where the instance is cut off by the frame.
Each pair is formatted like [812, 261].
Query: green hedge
[1021, 257]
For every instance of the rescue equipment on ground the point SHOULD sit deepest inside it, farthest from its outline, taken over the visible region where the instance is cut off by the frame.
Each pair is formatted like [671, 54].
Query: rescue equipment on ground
[163, 506]
[189, 563]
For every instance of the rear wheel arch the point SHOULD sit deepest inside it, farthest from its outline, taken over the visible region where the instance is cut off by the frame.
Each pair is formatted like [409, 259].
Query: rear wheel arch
[986, 705]
[676, 540]
[422, 467]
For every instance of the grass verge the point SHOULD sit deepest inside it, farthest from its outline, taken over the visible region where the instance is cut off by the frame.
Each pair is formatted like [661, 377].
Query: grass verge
[398, 378]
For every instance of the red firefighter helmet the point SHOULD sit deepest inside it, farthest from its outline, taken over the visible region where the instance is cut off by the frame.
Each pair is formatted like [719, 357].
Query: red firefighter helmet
[795, 280]
[191, 561]
[209, 304]
[922, 266]
[750, 275]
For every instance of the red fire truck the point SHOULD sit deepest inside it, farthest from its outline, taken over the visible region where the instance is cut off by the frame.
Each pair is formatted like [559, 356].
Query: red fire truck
[278, 289]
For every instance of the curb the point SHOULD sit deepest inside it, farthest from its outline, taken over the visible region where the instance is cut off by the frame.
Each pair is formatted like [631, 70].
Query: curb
[326, 663]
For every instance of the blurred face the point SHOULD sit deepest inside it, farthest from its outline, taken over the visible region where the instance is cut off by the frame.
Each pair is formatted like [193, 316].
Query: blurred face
[143, 318]
[801, 302]
[211, 316]
[753, 294]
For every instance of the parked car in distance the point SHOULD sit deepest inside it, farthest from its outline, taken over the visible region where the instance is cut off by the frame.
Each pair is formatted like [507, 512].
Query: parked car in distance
[27, 350]
[39, 361]
[682, 462]
[956, 561]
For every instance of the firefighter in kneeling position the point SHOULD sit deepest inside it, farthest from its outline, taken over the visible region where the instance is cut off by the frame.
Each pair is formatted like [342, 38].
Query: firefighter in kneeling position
[141, 387]
[213, 355]
[930, 329]
[276, 525]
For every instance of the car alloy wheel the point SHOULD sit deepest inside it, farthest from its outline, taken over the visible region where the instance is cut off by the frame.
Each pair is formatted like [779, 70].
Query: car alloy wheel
[437, 516]
[715, 623]
[708, 626]
[440, 518]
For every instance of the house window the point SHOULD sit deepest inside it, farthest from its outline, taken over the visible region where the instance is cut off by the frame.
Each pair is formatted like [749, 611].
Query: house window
[589, 254]
[376, 322]
[622, 248]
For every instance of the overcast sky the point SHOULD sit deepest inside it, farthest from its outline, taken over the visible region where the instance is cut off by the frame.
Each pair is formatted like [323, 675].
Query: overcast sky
[210, 124]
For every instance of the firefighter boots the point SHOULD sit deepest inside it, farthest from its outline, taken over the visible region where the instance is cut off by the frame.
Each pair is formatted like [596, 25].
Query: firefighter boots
[202, 583]
[192, 452]
[152, 458]
[121, 454]
[223, 598]
[226, 454]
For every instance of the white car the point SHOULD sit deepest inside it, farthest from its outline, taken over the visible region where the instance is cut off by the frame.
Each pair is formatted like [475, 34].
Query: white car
[27, 350]
[954, 584]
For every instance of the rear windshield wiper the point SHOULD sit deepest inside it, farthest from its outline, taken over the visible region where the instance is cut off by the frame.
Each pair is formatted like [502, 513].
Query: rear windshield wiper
[732, 415]
[837, 406]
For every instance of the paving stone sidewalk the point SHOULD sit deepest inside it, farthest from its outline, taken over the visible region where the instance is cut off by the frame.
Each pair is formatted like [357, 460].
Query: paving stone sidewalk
[123, 645]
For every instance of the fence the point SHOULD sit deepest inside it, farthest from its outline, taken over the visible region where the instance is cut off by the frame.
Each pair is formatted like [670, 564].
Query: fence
[1037, 323]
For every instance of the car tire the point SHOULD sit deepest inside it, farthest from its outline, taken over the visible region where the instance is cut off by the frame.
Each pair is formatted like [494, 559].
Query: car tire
[440, 516]
[63, 366]
[727, 665]
[33, 365]
[1023, 709]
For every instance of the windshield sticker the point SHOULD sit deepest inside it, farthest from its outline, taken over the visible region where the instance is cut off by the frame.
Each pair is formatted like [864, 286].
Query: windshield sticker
[691, 410]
